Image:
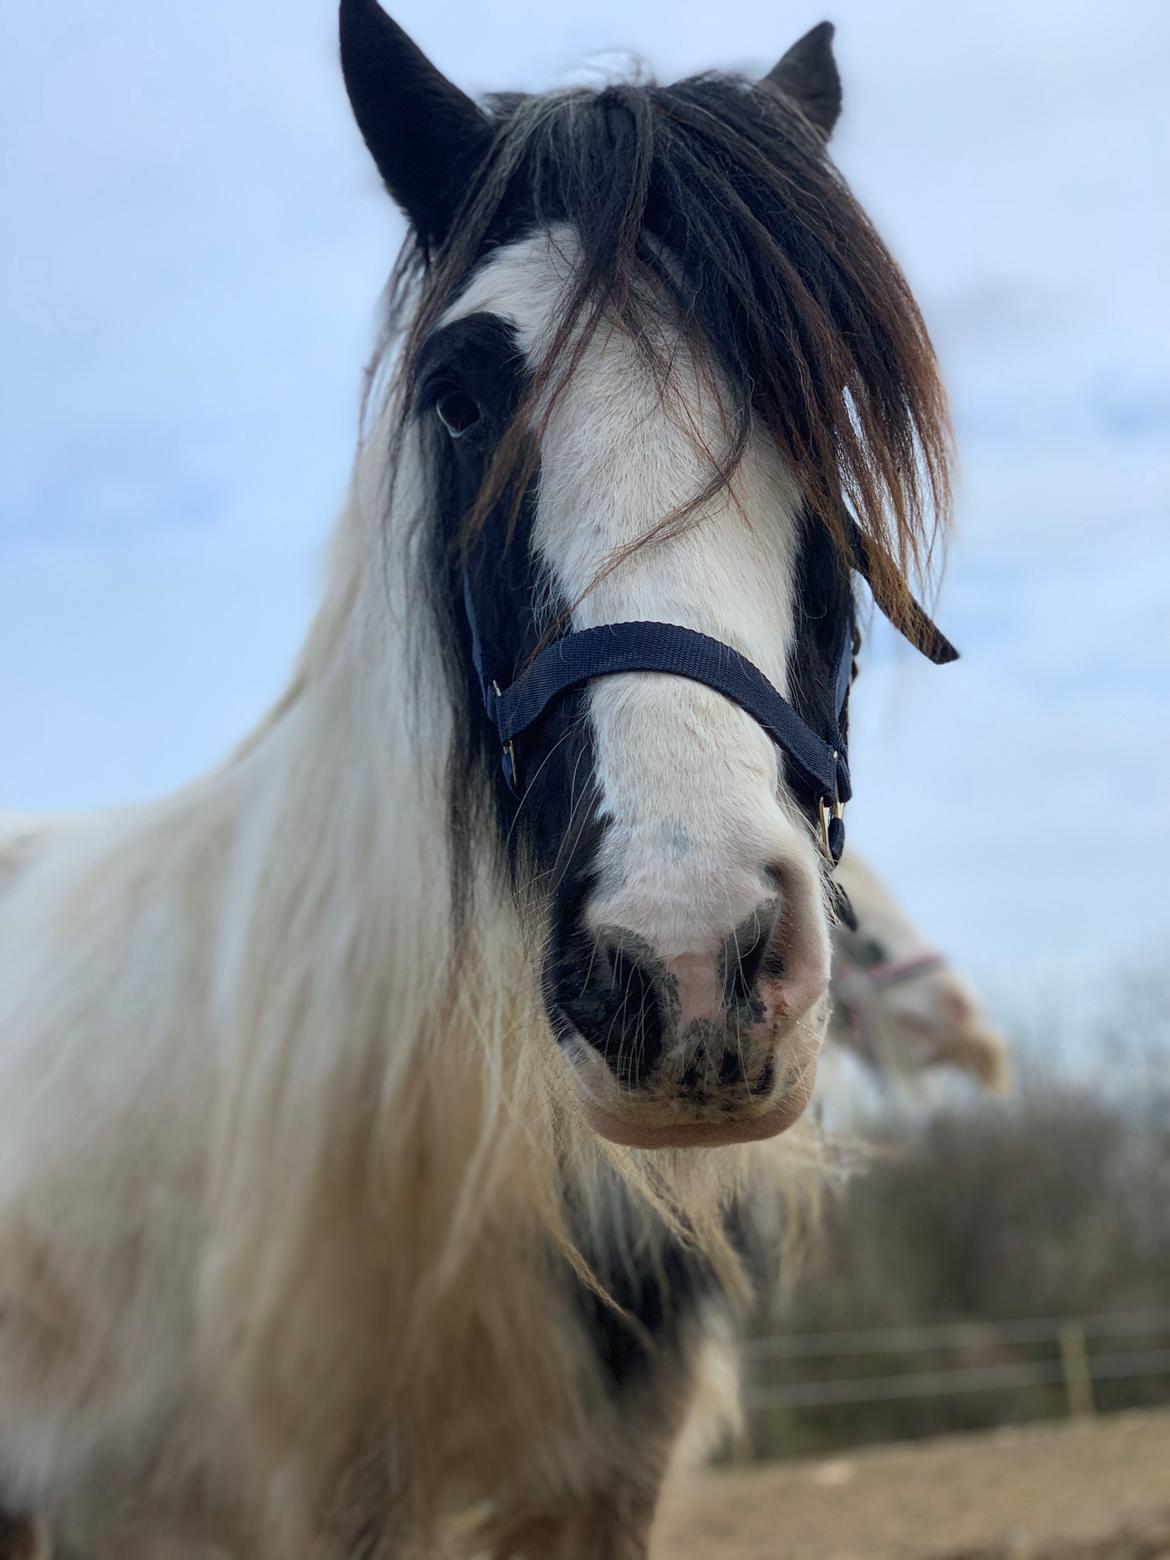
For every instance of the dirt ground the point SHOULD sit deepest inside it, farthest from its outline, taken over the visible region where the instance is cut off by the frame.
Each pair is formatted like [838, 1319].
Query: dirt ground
[1091, 1491]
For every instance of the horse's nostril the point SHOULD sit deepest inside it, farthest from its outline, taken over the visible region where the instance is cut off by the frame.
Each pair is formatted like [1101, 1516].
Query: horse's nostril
[748, 952]
[610, 995]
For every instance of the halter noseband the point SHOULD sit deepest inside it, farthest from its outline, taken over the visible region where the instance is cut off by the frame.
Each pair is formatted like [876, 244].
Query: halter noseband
[580, 657]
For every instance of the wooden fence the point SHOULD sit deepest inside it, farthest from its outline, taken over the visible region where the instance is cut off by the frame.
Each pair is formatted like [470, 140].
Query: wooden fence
[1084, 1350]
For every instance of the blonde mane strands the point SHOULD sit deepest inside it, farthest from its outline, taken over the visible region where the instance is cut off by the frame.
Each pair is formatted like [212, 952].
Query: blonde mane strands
[386, 1235]
[402, 1199]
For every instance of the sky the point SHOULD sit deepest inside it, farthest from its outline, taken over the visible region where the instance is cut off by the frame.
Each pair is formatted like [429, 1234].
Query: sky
[193, 247]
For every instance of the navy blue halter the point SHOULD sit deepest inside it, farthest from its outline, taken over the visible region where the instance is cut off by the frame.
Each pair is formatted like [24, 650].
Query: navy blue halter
[581, 657]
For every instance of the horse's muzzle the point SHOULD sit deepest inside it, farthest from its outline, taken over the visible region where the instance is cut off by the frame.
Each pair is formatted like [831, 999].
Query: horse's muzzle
[701, 1049]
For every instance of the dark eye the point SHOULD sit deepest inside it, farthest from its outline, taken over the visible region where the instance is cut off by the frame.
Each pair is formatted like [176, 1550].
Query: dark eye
[457, 412]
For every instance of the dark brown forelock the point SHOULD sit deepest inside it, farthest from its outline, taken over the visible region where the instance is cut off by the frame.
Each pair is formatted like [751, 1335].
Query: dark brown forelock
[711, 202]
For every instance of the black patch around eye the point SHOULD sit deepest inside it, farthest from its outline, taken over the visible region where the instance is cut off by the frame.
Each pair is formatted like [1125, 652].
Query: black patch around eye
[477, 357]
[458, 412]
[869, 952]
[514, 599]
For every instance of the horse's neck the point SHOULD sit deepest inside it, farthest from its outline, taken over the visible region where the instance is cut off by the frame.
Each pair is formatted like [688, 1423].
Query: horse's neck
[338, 979]
[342, 837]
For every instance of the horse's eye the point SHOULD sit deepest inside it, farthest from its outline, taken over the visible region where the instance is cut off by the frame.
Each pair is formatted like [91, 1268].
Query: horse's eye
[457, 412]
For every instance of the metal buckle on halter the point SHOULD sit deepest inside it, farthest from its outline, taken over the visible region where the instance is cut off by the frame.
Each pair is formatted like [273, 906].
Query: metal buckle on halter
[829, 808]
[511, 773]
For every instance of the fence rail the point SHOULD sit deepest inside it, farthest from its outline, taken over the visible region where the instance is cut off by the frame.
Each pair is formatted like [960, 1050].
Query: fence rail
[1074, 1366]
[890, 1340]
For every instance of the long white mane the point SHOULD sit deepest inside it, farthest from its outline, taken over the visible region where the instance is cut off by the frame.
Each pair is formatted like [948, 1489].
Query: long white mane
[276, 1147]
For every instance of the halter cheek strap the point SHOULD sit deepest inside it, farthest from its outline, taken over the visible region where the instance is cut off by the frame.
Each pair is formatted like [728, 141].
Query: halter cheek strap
[581, 657]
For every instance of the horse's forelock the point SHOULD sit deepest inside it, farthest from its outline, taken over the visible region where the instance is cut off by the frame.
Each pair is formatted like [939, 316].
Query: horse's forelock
[714, 201]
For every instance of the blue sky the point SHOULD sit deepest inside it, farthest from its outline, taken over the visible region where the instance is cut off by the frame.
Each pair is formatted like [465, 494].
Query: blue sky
[194, 247]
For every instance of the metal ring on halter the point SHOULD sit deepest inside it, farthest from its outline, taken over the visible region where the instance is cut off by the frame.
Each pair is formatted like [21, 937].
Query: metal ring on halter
[828, 811]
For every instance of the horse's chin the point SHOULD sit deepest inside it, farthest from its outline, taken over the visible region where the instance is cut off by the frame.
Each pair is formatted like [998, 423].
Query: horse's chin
[665, 1122]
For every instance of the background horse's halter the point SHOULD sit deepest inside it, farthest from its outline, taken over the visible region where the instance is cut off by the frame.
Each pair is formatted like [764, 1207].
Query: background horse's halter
[578, 658]
[856, 991]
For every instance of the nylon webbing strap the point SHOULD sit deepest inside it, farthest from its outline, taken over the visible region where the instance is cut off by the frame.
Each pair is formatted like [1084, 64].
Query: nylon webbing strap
[680, 652]
[612, 648]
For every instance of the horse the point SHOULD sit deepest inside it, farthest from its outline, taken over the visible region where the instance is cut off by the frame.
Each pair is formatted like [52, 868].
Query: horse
[899, 1004]
[397, 1118]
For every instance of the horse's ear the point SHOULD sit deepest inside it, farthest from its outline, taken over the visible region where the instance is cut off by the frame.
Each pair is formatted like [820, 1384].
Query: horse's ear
[808, 75]
[426, 136]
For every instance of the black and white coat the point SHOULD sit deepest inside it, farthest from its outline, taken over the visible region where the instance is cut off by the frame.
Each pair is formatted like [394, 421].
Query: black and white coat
[383, 1160]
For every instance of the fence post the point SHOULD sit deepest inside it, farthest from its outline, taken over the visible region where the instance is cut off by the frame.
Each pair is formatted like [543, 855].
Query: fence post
[1078, 1380]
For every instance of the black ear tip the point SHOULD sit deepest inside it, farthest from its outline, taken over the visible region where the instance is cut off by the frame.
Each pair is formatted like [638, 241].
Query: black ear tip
[816, 45]
[425, 135]
[808, 74]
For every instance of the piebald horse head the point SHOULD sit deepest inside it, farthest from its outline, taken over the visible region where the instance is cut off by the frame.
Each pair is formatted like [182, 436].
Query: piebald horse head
[660, 369]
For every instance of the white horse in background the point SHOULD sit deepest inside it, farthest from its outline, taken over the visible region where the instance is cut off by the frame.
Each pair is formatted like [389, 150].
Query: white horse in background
[898, 1003]
[382, 1152]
